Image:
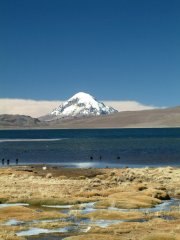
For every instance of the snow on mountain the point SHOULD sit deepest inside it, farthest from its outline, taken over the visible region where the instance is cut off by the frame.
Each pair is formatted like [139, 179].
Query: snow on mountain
[82, 104]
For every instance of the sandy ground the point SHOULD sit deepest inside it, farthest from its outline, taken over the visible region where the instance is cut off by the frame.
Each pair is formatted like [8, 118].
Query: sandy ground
[122, 188]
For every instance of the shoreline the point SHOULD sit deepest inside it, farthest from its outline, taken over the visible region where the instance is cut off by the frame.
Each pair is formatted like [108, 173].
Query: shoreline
[86, 165]
[88, 128]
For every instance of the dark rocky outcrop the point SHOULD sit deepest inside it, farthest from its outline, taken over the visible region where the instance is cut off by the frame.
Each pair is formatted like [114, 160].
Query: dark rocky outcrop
[15, 121]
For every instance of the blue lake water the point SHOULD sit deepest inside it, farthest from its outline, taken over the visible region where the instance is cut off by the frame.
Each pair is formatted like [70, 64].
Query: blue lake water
[92, 147]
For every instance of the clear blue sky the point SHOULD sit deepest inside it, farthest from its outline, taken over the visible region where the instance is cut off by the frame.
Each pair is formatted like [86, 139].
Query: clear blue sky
[114, 50]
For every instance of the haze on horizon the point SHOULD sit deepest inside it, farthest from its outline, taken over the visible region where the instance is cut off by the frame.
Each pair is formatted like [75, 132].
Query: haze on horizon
[39, 108]
[117, 50]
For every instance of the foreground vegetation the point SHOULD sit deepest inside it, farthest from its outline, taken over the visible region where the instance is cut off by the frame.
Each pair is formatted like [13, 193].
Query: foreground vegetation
[118, 188]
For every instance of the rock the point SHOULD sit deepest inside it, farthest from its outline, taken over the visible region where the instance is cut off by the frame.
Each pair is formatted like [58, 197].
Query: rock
[63, 177]
[81, 177]
[162, 195]
[96, 180]
[102, 177]
[161, 188]
[95, 185]
[159, 194]
[131, 178]
[112, 173]
[120, 179]
[141, 187]
[28, 170]
[115, 179]
[177, 193]
[49, 175]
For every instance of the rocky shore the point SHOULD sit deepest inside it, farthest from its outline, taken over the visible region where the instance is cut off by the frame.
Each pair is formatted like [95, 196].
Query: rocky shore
[117, 194]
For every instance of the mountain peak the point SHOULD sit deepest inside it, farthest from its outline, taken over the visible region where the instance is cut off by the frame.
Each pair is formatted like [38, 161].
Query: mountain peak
[82, 95]
[85, 98]
[79, 105]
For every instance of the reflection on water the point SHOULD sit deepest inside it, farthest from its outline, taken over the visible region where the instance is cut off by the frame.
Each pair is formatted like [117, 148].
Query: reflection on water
[30, 140]
[36, 231]
[58, 206]
[164, 206]
[13, 222]
[3, 205]
[79, 225]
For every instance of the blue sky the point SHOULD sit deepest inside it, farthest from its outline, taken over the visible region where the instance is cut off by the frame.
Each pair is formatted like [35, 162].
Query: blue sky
[114, 50]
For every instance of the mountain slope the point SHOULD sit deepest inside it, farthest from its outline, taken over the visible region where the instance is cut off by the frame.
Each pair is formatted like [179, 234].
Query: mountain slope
[169, 117]
[163, 118]
[80, 105]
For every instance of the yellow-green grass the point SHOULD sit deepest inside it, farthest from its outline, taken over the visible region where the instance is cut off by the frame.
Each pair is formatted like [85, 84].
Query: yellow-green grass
[114, 215]
[22, 213]
[128, 200]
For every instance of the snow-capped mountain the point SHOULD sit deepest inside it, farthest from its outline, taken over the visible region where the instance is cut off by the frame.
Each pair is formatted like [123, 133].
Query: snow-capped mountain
[80, 105]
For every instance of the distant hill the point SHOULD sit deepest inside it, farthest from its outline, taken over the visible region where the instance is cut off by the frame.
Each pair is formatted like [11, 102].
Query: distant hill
[169, 117]
[18, 121]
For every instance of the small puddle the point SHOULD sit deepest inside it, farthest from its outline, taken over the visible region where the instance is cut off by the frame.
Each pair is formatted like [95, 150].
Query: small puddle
[37, 231]
[82, 208]
[169, 218]
[3, 205]
[13, 222]
[104, 223]
[51, 236]
[83, 225]
[80, 225]
[58, 206]
[164, 206]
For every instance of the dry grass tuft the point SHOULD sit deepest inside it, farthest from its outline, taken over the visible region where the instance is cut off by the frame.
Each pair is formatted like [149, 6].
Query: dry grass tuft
[94, 237]
[24, 214]
[160, 236]
[113, 215]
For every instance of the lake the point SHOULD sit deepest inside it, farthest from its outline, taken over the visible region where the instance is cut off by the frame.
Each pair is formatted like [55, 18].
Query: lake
[92, 147]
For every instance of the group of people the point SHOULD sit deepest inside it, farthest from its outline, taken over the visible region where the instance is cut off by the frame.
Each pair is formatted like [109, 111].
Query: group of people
[100, 157]
[8, 161]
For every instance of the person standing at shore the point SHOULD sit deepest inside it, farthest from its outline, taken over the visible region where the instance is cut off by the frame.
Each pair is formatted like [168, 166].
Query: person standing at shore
[3, 161]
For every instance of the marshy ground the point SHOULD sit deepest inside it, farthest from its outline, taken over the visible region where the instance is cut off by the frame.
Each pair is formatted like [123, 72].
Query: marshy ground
[127, 203]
